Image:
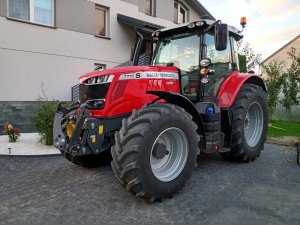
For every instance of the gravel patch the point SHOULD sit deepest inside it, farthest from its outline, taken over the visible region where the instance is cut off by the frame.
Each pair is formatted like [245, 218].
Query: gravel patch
[27, 144]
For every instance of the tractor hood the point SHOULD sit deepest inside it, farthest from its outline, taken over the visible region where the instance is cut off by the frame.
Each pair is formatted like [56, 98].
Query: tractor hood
[127, 70]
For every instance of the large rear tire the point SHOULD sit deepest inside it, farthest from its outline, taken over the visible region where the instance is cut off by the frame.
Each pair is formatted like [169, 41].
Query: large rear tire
[155, 151]
[249, 124]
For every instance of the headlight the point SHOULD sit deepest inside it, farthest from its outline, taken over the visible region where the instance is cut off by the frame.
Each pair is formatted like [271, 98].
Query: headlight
[205, 62]
[99, 80]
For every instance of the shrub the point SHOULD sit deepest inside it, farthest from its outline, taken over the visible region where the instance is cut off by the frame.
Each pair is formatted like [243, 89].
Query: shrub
[43, 120]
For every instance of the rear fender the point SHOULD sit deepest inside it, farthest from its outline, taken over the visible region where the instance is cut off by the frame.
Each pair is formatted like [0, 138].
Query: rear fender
[186, 104]
[232, 85]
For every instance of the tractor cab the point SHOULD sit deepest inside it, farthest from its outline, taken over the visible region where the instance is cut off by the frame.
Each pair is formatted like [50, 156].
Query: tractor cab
[204, 52]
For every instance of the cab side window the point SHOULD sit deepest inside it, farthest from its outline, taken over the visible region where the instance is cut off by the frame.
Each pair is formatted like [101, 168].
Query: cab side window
[222, 64]
[221, 60]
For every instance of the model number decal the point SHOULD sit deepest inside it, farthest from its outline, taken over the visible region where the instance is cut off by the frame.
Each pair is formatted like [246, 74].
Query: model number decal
[147, 75]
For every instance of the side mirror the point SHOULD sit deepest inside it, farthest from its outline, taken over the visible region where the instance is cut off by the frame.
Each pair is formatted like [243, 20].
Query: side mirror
[221, 36]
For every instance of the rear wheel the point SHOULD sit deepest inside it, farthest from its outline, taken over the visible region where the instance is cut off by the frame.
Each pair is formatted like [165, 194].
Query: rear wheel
[155, 151]
[249, 124]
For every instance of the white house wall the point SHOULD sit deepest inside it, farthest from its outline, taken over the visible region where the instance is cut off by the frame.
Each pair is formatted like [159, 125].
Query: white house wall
[31, 54]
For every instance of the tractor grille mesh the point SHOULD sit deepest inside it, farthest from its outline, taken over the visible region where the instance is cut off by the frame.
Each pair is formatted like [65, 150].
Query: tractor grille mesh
[90, 92]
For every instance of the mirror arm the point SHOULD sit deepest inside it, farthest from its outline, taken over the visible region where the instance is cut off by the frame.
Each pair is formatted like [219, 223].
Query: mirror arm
[211, 26]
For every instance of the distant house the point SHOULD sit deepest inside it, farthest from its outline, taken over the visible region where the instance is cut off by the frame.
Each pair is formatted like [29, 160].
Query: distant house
[53, 42]
[282, 55]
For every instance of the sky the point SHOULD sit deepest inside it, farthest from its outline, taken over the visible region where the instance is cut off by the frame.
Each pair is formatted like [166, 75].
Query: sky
[270, 23]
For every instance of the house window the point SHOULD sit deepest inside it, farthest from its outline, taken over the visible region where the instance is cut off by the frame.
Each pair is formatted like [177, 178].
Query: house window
[180, 13]
[98, 66]
[150, 7]
[101, 21]
[35, 11]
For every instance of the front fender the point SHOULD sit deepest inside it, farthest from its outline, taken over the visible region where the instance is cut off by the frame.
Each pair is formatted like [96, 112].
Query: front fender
[232, 85]
[186, 104]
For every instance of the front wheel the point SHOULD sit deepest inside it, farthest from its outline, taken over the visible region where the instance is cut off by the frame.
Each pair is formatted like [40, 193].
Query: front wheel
[249, 124]
[155, 151]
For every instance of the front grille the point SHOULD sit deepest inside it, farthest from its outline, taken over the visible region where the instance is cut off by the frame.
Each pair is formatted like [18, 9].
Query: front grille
[92, 92]
[75, 93]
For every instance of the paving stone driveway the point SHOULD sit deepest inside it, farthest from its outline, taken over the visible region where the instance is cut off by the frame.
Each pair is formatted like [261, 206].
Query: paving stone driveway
[50, 190]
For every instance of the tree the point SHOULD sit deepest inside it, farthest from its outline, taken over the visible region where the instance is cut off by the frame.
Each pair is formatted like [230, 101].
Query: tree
[247, 57]
[243, 63]
[296, 60]
[290, 84]
[273, 83]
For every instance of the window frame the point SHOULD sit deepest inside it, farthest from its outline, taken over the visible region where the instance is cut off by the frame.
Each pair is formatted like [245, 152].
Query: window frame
[152, 8]
[31, 14]
[180, 5]
[98, 65]
[106, 24]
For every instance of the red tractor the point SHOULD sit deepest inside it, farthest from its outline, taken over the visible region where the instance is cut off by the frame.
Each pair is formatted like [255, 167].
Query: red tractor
[155, 120]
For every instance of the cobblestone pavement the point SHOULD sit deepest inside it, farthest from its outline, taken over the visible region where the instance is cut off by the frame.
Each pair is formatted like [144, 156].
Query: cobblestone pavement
[51, 190]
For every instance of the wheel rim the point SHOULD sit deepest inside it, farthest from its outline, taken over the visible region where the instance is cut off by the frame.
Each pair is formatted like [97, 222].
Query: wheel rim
[168, 166]
[253, 124]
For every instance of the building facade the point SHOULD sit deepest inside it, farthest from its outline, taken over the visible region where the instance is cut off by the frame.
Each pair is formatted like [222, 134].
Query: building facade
[45, 45]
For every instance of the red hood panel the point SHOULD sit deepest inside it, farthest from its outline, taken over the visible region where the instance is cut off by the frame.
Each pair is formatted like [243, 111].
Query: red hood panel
[130, 69]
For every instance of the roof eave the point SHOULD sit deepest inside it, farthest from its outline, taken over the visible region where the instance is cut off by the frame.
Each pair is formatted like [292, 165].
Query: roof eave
[200, 9]
[280, 49]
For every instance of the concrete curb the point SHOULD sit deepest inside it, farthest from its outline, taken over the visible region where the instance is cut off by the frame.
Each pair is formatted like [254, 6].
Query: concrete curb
[278, 143]
[41, 155]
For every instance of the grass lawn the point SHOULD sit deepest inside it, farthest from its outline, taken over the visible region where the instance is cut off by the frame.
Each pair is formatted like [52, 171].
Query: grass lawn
[278, 128]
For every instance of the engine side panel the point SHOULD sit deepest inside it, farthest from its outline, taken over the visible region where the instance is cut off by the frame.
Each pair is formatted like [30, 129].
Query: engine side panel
[128, 89]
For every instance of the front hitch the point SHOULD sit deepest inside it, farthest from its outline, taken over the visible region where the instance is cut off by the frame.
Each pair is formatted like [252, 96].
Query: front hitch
[58, 135]
[73, 144]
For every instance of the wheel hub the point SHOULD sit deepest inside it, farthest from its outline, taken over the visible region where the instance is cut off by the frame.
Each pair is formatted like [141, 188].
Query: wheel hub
[247, 121]
[253, 124]
[160, 151]
[169, 154]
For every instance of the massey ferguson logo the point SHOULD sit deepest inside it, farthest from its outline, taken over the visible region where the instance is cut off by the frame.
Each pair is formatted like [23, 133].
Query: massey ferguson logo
[147, 75]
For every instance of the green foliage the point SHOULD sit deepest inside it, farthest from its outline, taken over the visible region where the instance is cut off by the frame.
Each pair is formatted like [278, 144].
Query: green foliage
[252, 59]
[273, 84]
[242, 63]
[285, 80]
[279, 128]
[290, 90]
[291, 84]
[43, 120]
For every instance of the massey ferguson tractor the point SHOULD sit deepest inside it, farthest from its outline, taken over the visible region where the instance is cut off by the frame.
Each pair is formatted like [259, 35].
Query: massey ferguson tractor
[155, 120]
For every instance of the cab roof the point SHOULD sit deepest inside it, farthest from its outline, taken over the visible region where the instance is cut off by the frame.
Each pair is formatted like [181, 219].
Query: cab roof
[233, 31]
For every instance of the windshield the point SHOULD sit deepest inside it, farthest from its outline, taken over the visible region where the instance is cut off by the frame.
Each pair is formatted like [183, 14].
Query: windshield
[180, 50]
